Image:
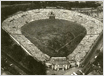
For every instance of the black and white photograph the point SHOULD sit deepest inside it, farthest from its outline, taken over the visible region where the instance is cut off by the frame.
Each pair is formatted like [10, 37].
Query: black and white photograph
[51, 37]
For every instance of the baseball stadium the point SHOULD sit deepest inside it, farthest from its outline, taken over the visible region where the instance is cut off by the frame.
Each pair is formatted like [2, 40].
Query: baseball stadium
[66, 42]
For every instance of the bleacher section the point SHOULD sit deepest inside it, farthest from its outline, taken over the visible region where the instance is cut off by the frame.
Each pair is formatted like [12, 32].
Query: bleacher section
[12, 25]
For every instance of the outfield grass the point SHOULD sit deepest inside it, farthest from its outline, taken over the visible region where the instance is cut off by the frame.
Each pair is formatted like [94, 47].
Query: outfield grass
[51, 35]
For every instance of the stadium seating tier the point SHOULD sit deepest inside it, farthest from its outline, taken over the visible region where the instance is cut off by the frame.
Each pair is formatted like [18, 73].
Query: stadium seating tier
[13, 24]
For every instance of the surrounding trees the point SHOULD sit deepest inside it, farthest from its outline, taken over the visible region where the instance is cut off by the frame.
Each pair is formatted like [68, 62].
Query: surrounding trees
[65, 4]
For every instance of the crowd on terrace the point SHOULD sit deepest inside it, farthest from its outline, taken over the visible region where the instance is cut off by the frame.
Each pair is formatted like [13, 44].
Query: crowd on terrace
[13, 26]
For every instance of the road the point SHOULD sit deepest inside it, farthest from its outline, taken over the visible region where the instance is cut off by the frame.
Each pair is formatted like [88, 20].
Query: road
[94, 51]
[17, 64]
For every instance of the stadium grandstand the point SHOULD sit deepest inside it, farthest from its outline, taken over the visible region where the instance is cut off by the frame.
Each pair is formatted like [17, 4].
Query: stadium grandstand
[55, 39]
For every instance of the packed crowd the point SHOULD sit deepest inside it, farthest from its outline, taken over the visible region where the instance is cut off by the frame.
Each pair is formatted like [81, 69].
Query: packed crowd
[13, 26]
